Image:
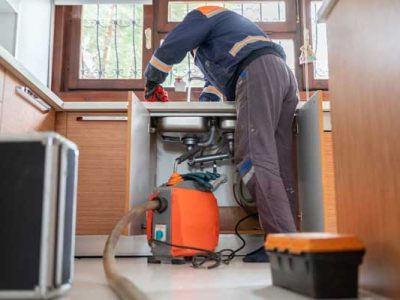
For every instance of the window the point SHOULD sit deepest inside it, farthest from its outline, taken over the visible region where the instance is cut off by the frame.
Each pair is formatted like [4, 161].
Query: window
[288, 46]
[101, 47]
[262, 12]
[107, 47]
[271, 16]
[319, 43]
[187, 67]
[111, 42]
[257, 11]
[318, 73]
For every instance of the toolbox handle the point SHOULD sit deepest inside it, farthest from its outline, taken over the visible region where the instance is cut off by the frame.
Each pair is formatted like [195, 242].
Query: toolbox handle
[102, 118]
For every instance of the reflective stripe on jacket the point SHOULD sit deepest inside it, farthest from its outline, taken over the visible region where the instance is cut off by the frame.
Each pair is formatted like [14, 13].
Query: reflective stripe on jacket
[218, 38]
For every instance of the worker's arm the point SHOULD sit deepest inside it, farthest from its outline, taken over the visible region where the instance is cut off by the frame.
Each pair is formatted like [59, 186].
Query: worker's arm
[188, 35]
[210, 93]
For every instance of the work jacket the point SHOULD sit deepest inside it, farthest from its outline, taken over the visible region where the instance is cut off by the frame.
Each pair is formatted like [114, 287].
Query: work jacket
[220, 40]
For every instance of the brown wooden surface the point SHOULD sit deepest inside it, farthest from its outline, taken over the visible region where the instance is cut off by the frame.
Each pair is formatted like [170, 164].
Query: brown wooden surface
[327, 172]
[61, 123]
[325, 95]
[328, 183]
[18, 115]
[364, 64]
[58, 68]
[102, 170]
[229, 216]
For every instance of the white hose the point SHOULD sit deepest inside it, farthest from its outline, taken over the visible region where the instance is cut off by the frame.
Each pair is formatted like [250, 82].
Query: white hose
[121, 285]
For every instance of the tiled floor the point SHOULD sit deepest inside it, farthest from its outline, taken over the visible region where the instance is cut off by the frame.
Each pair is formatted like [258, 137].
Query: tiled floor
[235, 281]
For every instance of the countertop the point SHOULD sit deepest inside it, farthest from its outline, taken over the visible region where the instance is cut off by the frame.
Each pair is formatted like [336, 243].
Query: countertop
[13, 66]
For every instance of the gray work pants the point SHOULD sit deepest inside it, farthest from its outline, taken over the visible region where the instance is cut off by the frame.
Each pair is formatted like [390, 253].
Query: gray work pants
[266, 99]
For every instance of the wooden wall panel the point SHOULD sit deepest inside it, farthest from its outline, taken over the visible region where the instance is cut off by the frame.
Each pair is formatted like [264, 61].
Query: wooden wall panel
[328, 182]
[20, 116]
[61, 123]
[102, 169]
[364, 67]
[229, 216]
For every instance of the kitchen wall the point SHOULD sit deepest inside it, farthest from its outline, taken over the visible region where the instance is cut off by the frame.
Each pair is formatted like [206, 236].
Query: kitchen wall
[33, 36]
[8, 25]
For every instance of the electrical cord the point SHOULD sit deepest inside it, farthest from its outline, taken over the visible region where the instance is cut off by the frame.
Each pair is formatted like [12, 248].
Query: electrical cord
[224, 256]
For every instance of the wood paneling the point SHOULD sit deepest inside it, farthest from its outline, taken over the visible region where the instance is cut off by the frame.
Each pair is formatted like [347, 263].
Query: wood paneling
[364, 67]
[229, 216]
[102, 170]
[328, 183]
[61, 123]
[20, 116]
[325, 95]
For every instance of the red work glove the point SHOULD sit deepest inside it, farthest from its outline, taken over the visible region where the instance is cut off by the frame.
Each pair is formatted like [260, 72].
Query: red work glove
[155, 93]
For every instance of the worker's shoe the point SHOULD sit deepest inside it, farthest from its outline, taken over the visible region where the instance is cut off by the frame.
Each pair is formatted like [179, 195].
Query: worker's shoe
[257, 256]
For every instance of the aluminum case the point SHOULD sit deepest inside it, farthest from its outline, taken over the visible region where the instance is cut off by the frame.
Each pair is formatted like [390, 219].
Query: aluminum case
[38, 180]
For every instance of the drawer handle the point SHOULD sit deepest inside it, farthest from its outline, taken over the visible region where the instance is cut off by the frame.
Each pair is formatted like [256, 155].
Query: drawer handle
[102, 118]
[32, 98]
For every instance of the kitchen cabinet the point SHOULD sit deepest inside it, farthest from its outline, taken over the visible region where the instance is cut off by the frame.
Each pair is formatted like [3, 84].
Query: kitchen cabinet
[364, 76]
[316, 184]
[102, 142]
[18, 113]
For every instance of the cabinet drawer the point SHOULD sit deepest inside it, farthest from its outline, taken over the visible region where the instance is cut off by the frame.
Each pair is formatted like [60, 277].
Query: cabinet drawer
[102, 142]
[19, 115]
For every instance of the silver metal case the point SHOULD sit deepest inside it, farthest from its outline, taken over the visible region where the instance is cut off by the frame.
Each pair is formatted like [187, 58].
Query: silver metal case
[38, 179]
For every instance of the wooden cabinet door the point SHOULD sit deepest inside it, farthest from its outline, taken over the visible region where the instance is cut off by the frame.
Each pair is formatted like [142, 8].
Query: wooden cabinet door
[18, 115]
[102, 142]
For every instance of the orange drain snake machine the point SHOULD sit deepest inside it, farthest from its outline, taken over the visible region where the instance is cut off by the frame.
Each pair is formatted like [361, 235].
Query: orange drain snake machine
[186, 224]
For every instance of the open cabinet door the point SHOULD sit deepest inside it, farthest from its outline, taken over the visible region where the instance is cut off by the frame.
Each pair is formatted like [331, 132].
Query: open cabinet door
[139, 162]
[315, 167]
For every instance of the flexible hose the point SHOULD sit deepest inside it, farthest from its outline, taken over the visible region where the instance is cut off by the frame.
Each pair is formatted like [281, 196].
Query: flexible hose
[121, 285]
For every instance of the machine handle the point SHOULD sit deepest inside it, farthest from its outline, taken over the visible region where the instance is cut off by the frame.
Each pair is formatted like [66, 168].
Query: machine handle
[32, 98]
[102, 118]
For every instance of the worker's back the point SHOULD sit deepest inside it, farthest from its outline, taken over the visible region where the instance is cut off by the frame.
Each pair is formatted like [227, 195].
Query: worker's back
[219, 39]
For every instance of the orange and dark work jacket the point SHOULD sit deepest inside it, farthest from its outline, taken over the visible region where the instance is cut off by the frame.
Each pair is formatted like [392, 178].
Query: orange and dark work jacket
[222, 42]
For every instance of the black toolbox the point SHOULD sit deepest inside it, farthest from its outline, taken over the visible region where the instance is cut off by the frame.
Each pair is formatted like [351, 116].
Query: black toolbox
[38, 180]
[318, 265]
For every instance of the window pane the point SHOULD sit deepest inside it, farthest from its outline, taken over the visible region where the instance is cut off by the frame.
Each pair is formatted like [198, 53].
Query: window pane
[187, 67]
[111, 41]
[184, 69]
[319, 43]
[256, 11]
[288, 46]
[274, 12]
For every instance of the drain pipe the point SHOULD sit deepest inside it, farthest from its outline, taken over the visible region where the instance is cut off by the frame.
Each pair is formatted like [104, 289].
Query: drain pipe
[210, 138]
[208, 158]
